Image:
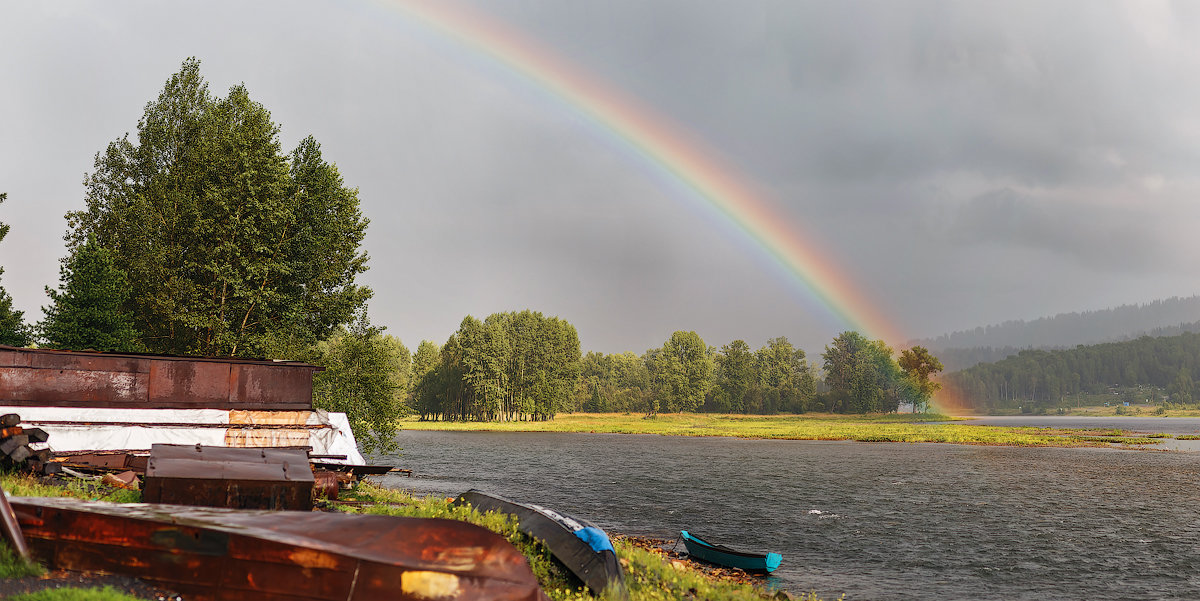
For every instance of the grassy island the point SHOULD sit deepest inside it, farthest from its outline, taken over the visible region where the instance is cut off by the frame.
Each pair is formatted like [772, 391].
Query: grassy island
[887, 427]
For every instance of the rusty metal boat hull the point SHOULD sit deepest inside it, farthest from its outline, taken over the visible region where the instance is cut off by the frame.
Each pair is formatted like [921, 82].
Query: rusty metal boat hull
[232, 555]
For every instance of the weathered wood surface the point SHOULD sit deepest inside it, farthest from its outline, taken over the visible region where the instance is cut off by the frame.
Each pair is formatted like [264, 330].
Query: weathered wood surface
[221, 554]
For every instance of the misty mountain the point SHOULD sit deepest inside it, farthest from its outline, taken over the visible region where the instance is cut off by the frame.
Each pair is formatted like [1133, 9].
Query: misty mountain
[963, 349]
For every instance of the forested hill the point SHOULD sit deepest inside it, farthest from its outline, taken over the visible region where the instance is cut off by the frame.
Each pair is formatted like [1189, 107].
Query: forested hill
[960, 350]
[1036, 379]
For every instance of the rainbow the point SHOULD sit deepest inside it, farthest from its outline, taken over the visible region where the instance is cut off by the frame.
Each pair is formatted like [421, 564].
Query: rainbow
[657, 144]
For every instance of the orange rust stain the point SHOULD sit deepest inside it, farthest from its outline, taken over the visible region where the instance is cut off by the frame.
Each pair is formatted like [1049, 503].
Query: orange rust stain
[311, 558]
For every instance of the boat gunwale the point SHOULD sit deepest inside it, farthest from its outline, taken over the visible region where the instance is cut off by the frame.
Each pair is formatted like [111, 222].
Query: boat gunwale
[721, 548]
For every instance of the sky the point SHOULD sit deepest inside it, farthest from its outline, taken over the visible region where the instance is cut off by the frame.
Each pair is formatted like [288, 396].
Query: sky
[942, 165]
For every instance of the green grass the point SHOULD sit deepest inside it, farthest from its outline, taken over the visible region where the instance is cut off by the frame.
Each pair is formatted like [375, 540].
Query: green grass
[24, 485]
[12, 566]
[75, 594]
[903, 427]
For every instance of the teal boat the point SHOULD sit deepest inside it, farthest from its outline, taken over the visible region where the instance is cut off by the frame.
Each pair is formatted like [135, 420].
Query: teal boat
[703, 550]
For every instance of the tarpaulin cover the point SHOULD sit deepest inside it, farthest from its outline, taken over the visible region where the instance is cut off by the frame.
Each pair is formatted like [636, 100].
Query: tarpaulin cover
[96, 429]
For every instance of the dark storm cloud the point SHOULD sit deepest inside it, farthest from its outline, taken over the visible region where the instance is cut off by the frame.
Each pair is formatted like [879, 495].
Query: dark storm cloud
[1102, 238]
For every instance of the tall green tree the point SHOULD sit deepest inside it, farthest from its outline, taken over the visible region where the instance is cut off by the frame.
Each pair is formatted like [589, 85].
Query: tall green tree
[87, 311]
[423, 388]
[13, 330]
[1181, 388]
[510, 366]
[616, 382]
[785, 381]
[680, 373]
[363, 379]
[736, 376]
[231, 247]
[861, 374]
[918, 366]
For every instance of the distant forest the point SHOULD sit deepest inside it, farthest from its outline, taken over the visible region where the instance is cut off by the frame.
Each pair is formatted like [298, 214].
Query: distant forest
[1169, 317]
[1036, 380]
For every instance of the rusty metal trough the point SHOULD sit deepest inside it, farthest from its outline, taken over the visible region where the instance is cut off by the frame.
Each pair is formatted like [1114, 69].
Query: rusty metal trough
[229, 477]
[54, 378]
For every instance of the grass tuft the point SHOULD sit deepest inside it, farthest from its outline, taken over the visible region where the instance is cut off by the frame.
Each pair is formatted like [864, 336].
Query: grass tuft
[75, 594]
[13, 566]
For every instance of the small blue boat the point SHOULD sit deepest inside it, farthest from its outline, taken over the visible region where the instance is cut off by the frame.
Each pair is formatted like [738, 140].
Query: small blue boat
[703, 550]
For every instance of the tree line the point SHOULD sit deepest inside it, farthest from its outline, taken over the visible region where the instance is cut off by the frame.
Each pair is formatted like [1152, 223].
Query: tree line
[510, 366]
[1034, 379]
[479, 373]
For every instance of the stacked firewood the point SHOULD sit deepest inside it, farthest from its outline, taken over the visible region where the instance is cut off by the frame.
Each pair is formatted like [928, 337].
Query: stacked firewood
[15, 450]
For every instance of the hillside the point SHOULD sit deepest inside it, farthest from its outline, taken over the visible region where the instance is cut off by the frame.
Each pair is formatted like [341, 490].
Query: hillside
[963, 349]
[1041, 380]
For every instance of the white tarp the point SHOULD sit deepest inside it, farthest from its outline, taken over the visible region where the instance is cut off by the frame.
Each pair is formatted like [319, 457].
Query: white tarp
[92, 429]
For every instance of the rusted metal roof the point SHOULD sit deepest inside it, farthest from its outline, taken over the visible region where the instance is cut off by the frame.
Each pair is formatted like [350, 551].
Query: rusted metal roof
[55, 378]
[229, 477]
[212, 554]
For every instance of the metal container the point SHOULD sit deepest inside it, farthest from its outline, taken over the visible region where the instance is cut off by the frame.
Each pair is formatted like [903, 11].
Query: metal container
[238, 478]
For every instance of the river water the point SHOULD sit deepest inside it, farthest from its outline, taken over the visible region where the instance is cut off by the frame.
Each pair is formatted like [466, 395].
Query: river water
[868, 520]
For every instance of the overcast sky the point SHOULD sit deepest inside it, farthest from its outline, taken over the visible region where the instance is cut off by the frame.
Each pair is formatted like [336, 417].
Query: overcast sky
[965, 163]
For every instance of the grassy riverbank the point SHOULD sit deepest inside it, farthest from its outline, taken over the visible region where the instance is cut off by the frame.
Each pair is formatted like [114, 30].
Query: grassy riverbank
[893, 427]
[649, 575]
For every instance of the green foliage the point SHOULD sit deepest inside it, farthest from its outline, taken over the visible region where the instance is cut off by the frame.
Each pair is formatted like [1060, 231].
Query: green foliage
[14, 566]
[509, 366]
[87, 312]
[13, 330]
[736, 376]
[861, 375]
[918, 365]
[75, 594]
[1181, 389]
[614, 382]
[785, 382]
[680, 373]
[365, 377]
[24, 485]
[230, 247]
[1038, 380]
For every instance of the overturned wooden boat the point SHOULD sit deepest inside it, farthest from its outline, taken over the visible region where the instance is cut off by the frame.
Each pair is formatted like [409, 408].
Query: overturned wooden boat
[581, 546]
[724, 556]
[239, 555]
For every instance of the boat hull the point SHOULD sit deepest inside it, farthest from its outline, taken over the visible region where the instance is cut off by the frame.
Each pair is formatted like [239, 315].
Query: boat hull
[233, 555]
[593, 561]
[703, 550]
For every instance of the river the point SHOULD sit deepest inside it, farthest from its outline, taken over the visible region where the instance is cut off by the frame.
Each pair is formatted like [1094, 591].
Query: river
[868, 520]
